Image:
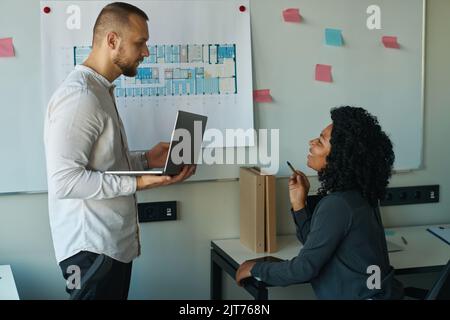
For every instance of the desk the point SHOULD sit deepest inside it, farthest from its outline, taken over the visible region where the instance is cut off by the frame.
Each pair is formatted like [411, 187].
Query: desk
[423, 253]
[8, 289]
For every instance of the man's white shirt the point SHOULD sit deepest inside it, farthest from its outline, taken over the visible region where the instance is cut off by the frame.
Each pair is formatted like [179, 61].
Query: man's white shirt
[84, 137]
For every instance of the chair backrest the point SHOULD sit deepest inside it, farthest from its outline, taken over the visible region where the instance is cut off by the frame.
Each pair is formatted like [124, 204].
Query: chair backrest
[441, 288]
[99, 268]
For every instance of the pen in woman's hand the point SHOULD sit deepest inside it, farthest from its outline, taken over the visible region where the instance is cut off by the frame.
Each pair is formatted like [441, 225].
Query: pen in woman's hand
[404, 240]
[292, 168]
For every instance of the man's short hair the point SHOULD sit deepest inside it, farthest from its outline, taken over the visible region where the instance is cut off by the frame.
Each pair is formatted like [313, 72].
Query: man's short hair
[115, 16]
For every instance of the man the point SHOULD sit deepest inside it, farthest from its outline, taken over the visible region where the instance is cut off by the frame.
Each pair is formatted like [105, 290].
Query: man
[93, 213]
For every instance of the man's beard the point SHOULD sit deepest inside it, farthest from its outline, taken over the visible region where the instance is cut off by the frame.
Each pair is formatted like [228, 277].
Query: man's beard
[128, 69]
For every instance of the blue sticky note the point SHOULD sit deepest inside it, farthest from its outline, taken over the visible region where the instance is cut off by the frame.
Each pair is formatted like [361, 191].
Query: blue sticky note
[333, 37]
[389, 232]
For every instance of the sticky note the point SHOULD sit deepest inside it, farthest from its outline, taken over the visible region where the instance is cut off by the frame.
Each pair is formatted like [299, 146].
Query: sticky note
[323, 73]
[6, 47]
[390, 42]
[292, 15]
[333, 37]
[262, 95]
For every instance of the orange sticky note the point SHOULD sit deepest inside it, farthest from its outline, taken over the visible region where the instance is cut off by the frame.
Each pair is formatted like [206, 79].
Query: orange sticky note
[323, 73]
[390, 42]
[262, 95]
[6, 47]
[292, 15]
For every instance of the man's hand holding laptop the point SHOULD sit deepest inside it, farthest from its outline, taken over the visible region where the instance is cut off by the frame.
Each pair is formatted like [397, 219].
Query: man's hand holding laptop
[152, 181]
[156, 158]
[183, 163]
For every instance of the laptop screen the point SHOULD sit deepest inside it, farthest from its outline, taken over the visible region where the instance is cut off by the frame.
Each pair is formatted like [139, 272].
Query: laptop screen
[186, 141]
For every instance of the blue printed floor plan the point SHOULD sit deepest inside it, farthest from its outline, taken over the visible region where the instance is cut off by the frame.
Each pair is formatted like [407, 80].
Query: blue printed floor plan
[179, 70]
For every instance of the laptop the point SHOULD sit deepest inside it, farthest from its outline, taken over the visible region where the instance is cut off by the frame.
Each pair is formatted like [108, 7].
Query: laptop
[185, 123]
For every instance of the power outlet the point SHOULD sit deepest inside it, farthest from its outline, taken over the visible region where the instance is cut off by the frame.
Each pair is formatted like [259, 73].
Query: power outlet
[157, 211]
[410, 195]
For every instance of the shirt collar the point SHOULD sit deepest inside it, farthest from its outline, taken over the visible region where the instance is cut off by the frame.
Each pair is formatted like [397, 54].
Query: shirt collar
[97, 75]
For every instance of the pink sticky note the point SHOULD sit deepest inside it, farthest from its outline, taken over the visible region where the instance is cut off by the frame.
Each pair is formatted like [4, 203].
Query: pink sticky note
[323, 73]
[6, 47]
[262, 95]
[291, 15]
[390, 42]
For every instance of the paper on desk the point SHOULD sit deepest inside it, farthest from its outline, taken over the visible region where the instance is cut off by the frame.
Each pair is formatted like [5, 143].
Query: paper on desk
[442, 233]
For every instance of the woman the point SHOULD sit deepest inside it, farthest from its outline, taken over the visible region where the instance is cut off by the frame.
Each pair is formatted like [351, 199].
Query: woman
[343, 239]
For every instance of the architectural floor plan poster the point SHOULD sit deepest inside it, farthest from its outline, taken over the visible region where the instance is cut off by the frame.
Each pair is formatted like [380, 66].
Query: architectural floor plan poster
[200, 61]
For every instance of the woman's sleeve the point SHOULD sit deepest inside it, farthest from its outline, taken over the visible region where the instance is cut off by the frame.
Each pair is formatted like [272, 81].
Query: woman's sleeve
[302, 220]
[329, 225]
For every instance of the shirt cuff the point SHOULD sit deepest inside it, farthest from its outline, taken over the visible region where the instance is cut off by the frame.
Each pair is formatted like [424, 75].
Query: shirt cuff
[128, 185]
[144, 160]
[301, 215]
[255, 272]
[303, 210]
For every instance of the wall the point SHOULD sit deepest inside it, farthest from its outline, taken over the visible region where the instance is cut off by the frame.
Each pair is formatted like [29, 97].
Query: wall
[175, 257]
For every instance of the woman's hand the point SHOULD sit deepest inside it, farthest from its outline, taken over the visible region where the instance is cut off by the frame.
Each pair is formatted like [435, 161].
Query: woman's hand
[244, 271]
[298, 190]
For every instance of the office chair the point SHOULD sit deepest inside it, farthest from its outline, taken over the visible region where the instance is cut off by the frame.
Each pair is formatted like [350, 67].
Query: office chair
[439, 291]
[99, 268]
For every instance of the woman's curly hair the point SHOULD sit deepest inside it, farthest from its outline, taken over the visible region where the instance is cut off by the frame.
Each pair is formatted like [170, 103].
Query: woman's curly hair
[361, 155]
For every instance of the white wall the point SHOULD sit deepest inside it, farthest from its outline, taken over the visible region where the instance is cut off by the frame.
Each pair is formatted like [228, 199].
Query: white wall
[175, 255]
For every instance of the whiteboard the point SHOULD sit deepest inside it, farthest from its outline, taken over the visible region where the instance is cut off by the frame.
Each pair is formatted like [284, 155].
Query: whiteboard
[22, 161]
[389, 83]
